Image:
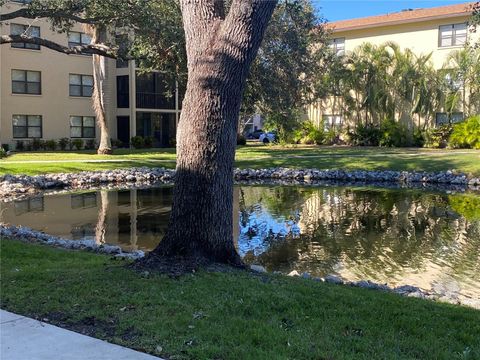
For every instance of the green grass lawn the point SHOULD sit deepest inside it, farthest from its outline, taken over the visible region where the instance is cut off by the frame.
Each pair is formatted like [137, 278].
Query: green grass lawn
[233, 315]
[256, 156]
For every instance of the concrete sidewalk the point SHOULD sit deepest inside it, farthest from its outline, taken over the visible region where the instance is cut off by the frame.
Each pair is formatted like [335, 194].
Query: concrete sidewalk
[22, 338]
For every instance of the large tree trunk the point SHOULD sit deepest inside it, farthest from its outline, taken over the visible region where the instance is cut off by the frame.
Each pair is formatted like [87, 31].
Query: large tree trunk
[220, 51]
[99, 88]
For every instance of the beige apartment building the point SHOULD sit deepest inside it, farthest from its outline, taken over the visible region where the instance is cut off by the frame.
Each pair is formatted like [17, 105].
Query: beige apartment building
[438, 31]
[47, 95]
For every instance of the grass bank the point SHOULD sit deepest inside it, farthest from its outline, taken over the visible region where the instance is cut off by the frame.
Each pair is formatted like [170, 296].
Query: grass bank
[229, 315]
[256, 156]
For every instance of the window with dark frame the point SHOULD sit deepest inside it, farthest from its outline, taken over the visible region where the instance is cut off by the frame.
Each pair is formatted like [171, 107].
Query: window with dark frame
[123, 92]
[338, 46]
[27, 126]
[81, 85]
[76, 38]
[452, 35]
[32, 31]
[82, 201]
[442, 118]
[82, 127]
[26, 82]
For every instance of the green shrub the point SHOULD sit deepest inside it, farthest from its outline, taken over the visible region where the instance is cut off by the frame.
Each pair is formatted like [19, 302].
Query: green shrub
[308, 134]
[63, 143]
[148, 141]
[90, 144]
[116, 143]
[241, 140]
[3, 152]
[332, 137]
[6, 147]
[137, 142]
[418, 138]
[38, 144]
[365, 135]
[466, 135]
[20, 145]
[50, 145]
[394, 134]
[77, 144]
[437, 137]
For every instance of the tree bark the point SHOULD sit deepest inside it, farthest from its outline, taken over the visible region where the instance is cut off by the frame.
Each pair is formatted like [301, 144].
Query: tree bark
[99, 63]
[220, 50]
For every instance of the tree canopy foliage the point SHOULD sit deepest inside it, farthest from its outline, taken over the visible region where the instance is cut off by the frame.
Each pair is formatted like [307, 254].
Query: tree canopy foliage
[292, 56]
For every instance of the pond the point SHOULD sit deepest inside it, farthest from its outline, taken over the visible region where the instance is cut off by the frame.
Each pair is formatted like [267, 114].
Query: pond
[425, 239]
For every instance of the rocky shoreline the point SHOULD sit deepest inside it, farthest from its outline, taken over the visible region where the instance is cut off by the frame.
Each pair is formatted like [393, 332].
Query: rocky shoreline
[21, 233]
[17, 186]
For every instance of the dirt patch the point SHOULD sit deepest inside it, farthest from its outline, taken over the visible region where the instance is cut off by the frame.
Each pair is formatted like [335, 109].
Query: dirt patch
[177, 266]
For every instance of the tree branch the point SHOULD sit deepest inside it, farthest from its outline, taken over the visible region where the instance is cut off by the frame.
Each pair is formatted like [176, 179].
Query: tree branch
[98, 49]
[46, 13]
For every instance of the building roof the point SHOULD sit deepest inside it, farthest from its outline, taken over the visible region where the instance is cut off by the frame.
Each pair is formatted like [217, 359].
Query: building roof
[404, 16]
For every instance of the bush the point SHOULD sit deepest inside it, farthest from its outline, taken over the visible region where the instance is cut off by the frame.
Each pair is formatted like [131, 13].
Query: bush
[63, 143]
[241, 140]
[365, 135]
[332, 137]
[77, 144]
[38, 144]
[116, 143]
[394, 134]
[437, 137]
[19, 145]
[90, 144]
[50, 145]
[6, 147]
[148, 141]
[3, 152]
[308, 134]
[466, 135]
[137, 142]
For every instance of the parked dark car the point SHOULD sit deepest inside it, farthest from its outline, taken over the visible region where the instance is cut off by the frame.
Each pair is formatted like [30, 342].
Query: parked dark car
[254, 134]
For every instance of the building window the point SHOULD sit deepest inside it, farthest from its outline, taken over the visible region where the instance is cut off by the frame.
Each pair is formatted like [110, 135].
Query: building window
[26, 82]
[81, 85]
[27, 126]
[82, 201]
[452, 35]
[443, 118]
[332, 122]
[32, 31]
[82, 126]
[78, 39]
[123, 92]
[338, 46]
[30, 205]
[154, 91]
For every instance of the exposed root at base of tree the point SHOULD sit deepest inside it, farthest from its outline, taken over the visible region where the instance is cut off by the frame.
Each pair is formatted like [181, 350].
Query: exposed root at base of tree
[104, 152]
[176, 266]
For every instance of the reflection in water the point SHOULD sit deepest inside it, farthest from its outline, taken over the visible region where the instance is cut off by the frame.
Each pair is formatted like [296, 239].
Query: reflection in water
[394, 236]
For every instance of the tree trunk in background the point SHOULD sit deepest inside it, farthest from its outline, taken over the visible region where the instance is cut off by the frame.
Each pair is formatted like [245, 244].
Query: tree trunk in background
[99, 36]
[220, 50]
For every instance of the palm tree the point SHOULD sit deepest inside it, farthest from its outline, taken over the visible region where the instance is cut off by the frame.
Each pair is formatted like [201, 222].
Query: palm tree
[462, 71]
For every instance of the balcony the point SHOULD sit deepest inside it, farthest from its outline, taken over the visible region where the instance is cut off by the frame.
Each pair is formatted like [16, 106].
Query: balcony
[148, 100]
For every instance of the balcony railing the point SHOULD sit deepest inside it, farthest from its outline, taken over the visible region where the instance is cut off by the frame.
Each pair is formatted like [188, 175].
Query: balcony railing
[146, 100]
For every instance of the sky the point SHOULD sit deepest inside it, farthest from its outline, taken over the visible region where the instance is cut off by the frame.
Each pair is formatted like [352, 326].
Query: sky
[334, 10]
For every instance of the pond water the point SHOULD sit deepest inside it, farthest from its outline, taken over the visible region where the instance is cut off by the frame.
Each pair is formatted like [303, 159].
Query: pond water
[426, 239]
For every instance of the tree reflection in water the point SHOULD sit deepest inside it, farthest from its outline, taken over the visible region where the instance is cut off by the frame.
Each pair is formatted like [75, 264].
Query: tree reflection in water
[387, 236]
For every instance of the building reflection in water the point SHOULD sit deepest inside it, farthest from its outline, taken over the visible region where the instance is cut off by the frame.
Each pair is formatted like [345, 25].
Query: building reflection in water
[430, 240]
